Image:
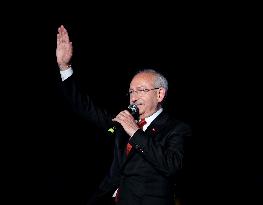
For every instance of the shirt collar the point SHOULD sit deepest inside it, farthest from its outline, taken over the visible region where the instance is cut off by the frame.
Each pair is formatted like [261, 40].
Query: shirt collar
[151, 118]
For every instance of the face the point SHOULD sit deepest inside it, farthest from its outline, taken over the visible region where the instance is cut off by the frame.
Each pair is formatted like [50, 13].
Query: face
[144, 94]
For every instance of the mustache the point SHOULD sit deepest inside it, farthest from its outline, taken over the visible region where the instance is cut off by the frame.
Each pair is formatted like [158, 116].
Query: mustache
[138, 102]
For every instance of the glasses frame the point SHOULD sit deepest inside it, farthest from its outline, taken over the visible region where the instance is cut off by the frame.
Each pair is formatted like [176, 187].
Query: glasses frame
[141, 92]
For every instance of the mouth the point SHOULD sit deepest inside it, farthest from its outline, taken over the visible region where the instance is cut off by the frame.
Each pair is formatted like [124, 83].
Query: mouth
[140, 106]
[138, 103]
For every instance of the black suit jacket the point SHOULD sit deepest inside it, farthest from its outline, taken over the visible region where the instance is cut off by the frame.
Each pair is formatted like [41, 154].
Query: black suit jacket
[148, 174]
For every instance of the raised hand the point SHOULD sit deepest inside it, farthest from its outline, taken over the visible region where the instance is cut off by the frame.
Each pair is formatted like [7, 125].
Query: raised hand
[64, 49]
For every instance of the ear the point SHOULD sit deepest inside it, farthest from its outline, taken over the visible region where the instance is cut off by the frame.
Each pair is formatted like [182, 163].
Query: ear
[161, 94]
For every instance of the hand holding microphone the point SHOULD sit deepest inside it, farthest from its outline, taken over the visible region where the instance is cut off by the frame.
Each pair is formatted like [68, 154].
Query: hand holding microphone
[126, 120]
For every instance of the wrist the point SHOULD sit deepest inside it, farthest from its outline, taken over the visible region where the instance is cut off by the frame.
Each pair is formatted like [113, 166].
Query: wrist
[63, 67]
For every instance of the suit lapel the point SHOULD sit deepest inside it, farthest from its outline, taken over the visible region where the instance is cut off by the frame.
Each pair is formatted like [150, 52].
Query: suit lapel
[157, 125]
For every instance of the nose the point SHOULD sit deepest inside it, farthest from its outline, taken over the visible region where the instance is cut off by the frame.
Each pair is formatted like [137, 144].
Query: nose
[133, 98]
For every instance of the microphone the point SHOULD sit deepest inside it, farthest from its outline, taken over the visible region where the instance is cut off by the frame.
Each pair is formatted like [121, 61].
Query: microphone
[134, 110]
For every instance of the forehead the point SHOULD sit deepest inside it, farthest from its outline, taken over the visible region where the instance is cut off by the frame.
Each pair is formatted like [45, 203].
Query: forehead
[142, 80]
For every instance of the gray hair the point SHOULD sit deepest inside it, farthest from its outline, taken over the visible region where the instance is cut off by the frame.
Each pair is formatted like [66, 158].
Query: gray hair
[160, 80]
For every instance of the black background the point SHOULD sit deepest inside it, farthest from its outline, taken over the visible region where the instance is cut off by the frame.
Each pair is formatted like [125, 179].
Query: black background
[209, 56]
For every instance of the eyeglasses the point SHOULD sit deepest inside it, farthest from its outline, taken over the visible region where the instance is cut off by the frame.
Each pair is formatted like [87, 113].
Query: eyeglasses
[140, 92]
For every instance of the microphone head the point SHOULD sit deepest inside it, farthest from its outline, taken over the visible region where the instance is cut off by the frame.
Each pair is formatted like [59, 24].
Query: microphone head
[134, 110]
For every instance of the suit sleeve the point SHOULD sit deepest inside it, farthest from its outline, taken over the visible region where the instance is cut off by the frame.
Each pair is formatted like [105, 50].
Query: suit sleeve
[82, 104]
[165, 155]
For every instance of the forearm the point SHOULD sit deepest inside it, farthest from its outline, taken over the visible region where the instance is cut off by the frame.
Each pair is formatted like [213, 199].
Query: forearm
[82, 104]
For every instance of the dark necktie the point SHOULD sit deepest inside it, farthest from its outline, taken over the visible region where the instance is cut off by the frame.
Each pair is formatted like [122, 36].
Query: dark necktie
[140, 124]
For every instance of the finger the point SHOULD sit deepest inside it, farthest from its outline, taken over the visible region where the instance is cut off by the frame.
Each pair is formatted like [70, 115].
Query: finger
[127, 113]
[65, 37]
[116, 120]
[59, 35]
[58, 39]
[69, 48]
[122, 115]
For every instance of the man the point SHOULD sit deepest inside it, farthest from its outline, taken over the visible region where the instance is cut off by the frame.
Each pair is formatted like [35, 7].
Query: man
[147, 159]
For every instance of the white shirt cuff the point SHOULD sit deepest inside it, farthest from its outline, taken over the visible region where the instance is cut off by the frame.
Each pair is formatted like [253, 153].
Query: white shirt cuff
[66, 73]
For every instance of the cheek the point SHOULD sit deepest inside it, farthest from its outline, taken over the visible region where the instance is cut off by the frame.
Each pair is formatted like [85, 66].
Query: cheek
[152, 100]
[148, 105]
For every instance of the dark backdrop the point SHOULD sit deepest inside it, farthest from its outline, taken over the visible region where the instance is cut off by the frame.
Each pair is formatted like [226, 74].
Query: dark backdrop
[72, 155]
[52, 156]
